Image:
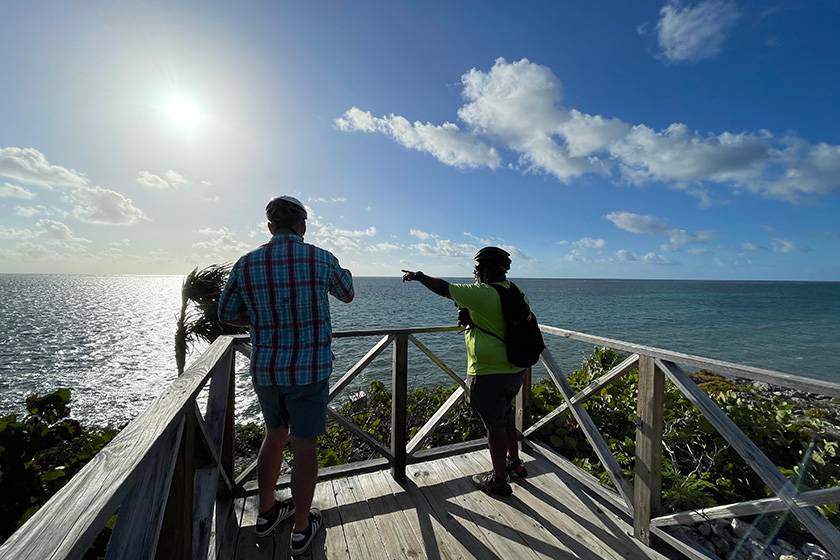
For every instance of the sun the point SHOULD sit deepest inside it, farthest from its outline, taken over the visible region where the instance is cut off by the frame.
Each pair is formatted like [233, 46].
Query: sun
[184, 112]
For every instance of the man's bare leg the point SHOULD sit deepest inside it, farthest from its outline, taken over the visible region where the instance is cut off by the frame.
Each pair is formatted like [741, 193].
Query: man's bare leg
[269, 461]
[304, 477]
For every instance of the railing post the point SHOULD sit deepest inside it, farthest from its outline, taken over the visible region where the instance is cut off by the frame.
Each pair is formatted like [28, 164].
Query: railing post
[523, 406]
[647, 488]
[399, 398]
[176, 534]
[226, 454]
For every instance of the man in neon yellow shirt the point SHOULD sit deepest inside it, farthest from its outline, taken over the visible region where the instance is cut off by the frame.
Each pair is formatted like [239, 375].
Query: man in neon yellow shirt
[492, 381]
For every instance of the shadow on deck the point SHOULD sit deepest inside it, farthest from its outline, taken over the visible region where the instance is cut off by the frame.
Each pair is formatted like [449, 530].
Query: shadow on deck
[437, 514]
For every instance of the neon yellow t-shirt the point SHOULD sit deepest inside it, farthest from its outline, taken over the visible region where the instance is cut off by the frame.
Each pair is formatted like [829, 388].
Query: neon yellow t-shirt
[486, 354]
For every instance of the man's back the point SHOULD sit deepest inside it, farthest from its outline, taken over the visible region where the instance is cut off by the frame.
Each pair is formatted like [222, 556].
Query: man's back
[284, 286]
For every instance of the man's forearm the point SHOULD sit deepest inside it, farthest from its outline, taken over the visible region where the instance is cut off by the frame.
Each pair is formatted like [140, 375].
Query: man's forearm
[438, 286]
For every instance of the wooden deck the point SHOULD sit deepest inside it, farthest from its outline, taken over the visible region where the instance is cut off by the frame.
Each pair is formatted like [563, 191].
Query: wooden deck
[438, 514]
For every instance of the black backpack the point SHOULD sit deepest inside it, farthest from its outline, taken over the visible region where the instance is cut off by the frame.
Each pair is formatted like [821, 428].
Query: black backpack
[524, 341]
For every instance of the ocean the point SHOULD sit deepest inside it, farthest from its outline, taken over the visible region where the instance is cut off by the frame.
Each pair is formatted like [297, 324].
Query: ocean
[110, 338]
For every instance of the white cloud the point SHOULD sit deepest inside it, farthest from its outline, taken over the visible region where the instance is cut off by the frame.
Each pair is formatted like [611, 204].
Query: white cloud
[422, 235]
[642, 223]
[166, 180]
[446, 142]
[29, 166]
[637, 223]
[327, 200]
[679, 238]
[750, 247]
[367, 232]
[691, 33]
[96, 205]
[446, 248]
[222, 243]
[8, 190]
[26, 211]
[647, 258]
[518, 106]
[589, 243]
[383, 247]
[9, 233]
[784, 246]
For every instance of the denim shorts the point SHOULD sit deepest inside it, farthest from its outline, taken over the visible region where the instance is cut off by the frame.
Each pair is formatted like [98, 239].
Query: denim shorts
[491, 397]
[301, 408]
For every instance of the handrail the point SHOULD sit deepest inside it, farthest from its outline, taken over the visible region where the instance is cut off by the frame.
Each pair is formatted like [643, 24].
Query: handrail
[727, 369]
[171, 467]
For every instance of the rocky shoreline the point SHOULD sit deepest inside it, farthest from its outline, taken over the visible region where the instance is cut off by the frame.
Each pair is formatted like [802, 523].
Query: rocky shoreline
[739, 539]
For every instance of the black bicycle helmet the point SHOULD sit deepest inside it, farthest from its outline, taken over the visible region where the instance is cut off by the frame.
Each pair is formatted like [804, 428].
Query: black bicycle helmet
[493, 256]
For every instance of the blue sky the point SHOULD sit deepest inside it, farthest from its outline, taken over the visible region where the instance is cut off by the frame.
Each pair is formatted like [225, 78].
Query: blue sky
[616, 139]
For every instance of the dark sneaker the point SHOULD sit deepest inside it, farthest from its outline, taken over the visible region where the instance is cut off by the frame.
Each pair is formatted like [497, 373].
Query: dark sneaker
[300, 542]
[266, 522]
[487, 482]
[515, 469]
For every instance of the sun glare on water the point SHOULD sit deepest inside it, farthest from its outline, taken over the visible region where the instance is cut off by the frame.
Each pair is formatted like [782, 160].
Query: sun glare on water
[184, 112]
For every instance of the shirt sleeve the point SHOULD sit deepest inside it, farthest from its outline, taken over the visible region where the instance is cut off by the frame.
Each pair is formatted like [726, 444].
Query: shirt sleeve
[341, 283]
[466, 295]
[231, 305]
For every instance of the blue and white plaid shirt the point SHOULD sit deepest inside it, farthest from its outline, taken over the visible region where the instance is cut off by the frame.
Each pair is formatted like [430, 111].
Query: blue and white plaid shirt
[283, 288]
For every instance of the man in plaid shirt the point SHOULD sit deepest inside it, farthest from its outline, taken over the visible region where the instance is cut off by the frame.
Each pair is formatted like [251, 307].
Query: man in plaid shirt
[281, 291]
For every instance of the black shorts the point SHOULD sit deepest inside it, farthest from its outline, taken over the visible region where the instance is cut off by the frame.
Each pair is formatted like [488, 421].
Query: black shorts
[491, 397]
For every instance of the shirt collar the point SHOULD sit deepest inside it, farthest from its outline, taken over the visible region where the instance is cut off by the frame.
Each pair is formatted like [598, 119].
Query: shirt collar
[286, 235]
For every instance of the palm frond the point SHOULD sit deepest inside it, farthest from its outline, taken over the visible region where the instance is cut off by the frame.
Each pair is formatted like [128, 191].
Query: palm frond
[198, 319]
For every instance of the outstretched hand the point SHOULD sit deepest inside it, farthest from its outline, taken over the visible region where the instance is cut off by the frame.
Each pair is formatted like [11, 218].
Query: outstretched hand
[408, 275]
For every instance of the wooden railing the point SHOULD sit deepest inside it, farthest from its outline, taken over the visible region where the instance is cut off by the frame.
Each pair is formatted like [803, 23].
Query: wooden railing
[642, 498]
[169, 474]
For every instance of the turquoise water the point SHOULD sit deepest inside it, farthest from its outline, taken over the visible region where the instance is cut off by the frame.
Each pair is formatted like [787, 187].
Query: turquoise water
[109, 338]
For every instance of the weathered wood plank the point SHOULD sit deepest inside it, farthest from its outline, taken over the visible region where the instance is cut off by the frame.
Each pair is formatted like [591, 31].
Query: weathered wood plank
[68, 523]
[332, 545]
[135, 535]
[397, 535]
[438, 362]
[399, 407]
[217, 401]
[224, 530]
[205, 444]
[363, 539]
[810, 498]
[176, 535]
[450, 513]
[539, 539]
[580, 475]
[359, 366]
[596, 440]
[204, 499]
[523, 405]
[586, 393]
[690, 551]
[475, 505]
[395, 332]
[228, 436]
[431, 531]
[647, 487]
[819, 526]
[439, 416]
[718, 366]
[441, 451]
[325, 473]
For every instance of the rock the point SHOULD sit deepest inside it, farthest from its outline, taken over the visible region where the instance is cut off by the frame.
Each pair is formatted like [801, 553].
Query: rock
[786, 546]
[761, 386]
[741, 529]
[814, 552]
[788, 557]
[721, 530]
[704, 529]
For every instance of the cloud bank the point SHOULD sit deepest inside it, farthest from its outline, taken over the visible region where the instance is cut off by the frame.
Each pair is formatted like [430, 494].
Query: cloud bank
[518, 107]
